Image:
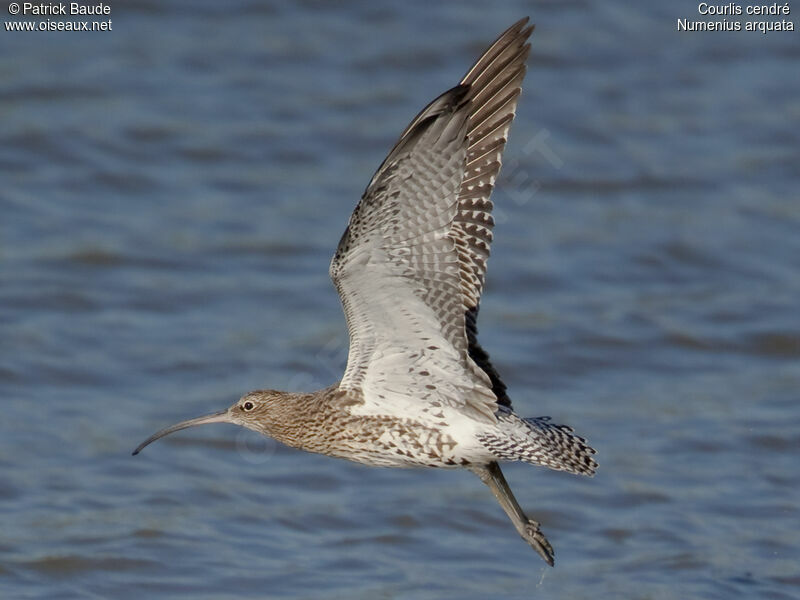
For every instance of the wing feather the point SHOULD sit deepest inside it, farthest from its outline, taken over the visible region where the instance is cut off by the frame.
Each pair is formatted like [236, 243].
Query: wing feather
[410, 266]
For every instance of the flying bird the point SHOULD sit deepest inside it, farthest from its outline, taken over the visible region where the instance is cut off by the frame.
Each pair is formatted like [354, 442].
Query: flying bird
[419, 390]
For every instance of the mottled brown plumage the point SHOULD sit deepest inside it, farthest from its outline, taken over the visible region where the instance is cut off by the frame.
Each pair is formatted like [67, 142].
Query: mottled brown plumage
[410, 268]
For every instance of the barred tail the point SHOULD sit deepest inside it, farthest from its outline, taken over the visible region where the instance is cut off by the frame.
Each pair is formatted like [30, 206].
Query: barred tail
[540, 442]
[557, 447]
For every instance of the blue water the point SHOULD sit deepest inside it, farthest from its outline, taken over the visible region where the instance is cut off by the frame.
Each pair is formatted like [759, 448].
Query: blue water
[172, 191]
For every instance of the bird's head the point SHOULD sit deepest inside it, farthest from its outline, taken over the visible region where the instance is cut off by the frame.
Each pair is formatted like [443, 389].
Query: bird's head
[255, 410]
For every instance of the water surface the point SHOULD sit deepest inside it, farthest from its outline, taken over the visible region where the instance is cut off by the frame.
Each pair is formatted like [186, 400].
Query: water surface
[172, 192]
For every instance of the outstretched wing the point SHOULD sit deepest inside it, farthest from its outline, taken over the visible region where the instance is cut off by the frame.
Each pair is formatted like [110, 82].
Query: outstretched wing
[410, 266]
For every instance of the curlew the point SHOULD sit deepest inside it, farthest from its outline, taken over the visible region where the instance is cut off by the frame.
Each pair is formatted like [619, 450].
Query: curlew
[418, 390]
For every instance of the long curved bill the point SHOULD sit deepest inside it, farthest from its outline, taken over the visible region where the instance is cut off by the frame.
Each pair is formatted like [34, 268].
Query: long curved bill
[217, 417]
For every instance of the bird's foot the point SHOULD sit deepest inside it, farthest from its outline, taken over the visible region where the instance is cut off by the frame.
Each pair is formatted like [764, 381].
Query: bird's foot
[534, 536]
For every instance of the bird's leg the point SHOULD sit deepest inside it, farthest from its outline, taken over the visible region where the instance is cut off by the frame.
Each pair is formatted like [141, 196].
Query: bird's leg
[492, 476]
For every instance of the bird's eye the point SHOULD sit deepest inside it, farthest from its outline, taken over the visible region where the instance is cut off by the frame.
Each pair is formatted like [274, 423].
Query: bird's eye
[248, 405]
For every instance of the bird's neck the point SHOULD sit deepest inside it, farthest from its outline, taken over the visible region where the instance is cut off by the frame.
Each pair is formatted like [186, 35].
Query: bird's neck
[298, 418]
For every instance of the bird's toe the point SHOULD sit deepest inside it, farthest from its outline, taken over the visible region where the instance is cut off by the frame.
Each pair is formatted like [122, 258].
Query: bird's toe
[535, 537]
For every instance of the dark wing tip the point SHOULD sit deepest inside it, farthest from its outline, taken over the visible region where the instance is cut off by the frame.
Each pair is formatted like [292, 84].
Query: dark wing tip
[518, 25]
[513, 36]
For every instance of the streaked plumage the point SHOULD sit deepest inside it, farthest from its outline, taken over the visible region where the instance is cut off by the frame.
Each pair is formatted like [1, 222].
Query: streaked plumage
[410, 268]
